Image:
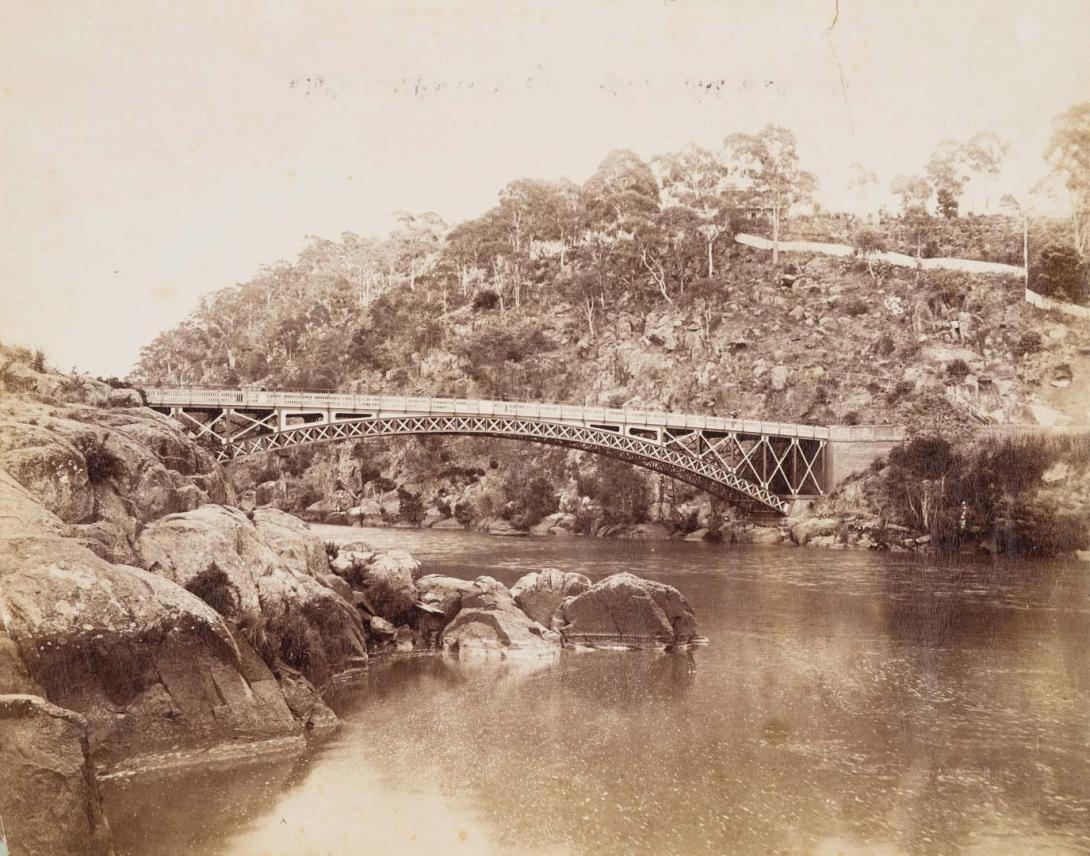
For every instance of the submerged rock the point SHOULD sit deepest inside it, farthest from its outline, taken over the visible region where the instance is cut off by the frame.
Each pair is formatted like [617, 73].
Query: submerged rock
[624, 609]
[490, 621]
[538, 594]
[48, 796]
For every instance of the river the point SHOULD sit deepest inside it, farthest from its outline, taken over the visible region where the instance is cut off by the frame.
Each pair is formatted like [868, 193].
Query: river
[847, 703]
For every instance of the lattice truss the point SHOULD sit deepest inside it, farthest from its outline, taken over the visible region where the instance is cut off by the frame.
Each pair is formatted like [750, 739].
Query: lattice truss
[748, 469]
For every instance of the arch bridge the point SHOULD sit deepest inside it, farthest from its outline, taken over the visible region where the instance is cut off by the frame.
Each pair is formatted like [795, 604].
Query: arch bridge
[762, 466]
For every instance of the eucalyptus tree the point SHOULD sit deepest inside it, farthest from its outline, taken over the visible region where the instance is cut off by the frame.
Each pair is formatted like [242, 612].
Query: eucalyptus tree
[1068, 157]
[770, 175]
[694, 179]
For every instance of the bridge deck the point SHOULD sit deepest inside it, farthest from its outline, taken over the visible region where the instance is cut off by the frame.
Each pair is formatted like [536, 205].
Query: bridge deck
[432, 406]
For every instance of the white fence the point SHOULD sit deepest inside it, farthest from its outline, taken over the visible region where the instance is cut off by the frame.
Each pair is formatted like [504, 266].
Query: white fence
[896, 259]
[1042, 302]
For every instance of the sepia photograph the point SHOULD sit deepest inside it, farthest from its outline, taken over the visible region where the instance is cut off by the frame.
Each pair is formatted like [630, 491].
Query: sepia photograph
[571, 428]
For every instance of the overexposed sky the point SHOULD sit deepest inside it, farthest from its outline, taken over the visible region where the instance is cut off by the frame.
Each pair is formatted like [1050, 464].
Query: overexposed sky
[151, 152]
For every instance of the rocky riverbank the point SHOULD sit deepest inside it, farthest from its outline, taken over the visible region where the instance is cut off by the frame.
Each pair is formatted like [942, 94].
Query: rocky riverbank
[143, 614]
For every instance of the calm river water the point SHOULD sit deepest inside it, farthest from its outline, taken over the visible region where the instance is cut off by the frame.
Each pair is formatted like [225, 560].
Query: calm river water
[848, 703]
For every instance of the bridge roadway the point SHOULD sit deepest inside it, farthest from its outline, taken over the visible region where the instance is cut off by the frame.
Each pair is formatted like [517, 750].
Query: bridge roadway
[757, 464]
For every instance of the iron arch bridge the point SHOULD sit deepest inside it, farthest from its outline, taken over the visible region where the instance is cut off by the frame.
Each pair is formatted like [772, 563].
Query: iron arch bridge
[762, 466]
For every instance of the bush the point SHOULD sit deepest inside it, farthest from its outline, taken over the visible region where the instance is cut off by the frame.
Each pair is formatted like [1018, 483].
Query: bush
[463, 513]
[1030, 343]
[299, 645]
[1059, 272]
[957, 370]
[532, 498]
[867, 240]
[213, 587]
[410, 509]
[619, 489]
[332, 550]
[38, 361]
[102, 464]
[485, 300]
[855, 307]
[885, 346]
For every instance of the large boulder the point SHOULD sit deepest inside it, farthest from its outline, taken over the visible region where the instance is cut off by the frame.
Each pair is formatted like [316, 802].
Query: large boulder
[259, 576]
[538, 594]
[813, 527]
[146, 662]
[385, 579]
[624, 609]
[442, 596]
[48, 796]
[490, 622]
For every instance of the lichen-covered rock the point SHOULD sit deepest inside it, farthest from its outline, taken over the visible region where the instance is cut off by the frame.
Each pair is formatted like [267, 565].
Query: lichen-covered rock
[48, 797]
[490, 621]
[294, 542]
[124, 466]
[538, 594]
[259, 575]
[146, 662]
[624, 609]
[385, 580]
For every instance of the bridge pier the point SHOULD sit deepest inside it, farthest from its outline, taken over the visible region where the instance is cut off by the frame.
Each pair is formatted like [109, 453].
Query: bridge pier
[852, 448]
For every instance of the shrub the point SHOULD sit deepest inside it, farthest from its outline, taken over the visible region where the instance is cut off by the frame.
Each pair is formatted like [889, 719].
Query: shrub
[1030, 343]
[38, 360]
[299, 645]
[332, 550]
[926, 457]
[867, 240]
[463, 513]
[1059, 272]
[855, 307]
[885, 345]
[213, 587]
[485, 300]
[410, 509]
[102, 464]
[903, 389]
[531, 498]
[957, 370]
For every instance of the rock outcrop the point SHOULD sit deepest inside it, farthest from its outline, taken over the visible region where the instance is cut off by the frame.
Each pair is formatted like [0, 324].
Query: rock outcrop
[266, 575]
[624, 609]
[538, 594]
[48, 796]
[146, 662]
[490, 621]
[106, 471]
[383, 582]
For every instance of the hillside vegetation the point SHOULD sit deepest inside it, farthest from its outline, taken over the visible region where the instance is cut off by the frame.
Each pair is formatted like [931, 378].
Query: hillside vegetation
[627, 291]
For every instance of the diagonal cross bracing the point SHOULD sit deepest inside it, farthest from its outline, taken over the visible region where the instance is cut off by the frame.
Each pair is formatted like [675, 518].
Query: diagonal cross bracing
[751, 463]
[709, 474]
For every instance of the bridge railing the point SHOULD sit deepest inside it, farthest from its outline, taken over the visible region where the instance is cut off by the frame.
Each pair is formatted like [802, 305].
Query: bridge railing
[180, 396]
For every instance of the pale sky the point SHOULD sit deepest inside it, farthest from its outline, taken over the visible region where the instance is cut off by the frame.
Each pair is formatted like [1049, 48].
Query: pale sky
[154, 152]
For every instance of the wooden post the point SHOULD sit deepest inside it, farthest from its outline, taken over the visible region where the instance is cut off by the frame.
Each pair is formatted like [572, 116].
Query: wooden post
[1025, 245]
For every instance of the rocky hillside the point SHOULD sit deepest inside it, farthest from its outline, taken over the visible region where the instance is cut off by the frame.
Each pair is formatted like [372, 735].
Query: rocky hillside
[820, 341]
[630, 290]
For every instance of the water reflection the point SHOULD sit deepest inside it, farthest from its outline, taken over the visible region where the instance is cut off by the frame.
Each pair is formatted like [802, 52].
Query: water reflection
[847, 704]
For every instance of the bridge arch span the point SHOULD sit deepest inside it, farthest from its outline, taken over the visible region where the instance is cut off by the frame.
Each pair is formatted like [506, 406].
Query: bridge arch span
[704, 473]
[753, 463]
